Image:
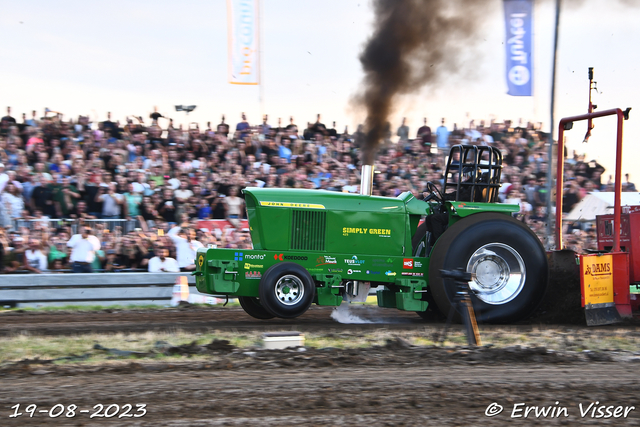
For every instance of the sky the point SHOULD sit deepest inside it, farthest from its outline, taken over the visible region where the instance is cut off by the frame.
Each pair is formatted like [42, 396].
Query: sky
[127, 57]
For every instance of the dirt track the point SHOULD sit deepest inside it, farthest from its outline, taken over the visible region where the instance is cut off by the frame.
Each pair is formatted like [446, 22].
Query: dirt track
[193, 319]
[385, 386]
[396, 384]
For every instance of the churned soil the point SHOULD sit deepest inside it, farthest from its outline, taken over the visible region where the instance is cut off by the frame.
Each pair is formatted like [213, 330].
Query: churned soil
[395, 384]
[189, 317]
[392, 384]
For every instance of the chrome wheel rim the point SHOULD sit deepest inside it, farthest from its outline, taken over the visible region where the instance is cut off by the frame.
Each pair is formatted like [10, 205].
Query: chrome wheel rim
[289, 290]
[498, 272]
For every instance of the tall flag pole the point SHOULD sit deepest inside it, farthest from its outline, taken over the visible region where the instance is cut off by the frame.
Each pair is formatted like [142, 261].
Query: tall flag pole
[243, 23]
[518, 16]
[550, 152]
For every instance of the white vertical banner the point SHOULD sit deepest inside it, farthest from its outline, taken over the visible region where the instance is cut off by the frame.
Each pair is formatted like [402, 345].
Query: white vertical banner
[243, 18]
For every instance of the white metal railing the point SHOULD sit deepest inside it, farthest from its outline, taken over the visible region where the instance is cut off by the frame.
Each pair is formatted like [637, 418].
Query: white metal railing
[110, 224]
[36, 290]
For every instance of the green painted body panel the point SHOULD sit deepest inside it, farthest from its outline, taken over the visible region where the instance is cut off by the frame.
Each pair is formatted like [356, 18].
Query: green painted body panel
[328, 293]
[464, 209]
[370, 224]
[336, 237]
[219, 270]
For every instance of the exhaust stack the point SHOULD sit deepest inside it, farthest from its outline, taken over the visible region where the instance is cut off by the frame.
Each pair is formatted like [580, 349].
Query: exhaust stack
[366, 181]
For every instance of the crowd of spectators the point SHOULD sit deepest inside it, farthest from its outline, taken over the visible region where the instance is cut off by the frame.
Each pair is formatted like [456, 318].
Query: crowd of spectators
[59, 177]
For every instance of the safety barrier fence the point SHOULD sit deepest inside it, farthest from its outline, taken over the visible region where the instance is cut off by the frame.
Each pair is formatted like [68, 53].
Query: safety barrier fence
[41, 290]
[45, 290]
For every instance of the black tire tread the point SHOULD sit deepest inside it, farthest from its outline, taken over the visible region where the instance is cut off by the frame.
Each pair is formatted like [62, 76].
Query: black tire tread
[252, 306]
[467, 229]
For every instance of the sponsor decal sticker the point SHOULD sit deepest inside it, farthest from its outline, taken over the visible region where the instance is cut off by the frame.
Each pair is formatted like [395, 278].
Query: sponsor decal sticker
[283, 257]
[598, 279]
[417, 264]
[390, 273]
[252, 275]
[323, 260]
[335, 270]
[240, 256]
[354, 261]
[409, 273]
[381, 232]
[248, 266]
[293, 205]
[407, 263]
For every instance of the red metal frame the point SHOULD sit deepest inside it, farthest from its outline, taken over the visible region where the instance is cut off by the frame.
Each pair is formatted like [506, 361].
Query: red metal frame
[629, 232]
[618, 183]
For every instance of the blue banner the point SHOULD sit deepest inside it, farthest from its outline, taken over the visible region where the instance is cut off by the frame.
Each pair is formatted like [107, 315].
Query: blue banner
[518, 15]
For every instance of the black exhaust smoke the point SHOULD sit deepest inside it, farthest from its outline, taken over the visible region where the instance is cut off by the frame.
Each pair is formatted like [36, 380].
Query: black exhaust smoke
[414, 43]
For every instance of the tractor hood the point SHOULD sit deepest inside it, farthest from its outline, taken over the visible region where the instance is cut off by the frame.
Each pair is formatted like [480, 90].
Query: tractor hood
[319, 220]
[330, 200]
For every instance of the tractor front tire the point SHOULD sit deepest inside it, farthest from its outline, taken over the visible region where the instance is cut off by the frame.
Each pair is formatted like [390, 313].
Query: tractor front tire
[286, 290]
[252, 306]
[507, 259]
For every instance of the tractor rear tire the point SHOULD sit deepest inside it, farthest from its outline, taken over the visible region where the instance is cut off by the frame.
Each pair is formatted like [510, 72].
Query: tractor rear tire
[252, 306]
[287, 290]
[507, 258]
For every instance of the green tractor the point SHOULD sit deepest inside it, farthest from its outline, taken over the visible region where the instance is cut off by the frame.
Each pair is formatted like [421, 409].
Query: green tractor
[315, 246]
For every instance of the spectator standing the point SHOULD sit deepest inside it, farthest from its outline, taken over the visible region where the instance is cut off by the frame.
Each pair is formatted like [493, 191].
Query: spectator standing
[4, 178]
[8, 117]
[403, 131]
[110, 128]
[134, 199]
[442, 137]
[318, 127]
[243, 127]
[233, 206]
[424, 134]
[12, 202]
[182, 194]
[541, 194]
[111, 202]
[92, 191]
[628, 185]
[33, 121]
[162, 263]
[292, 127]
[65, 197]
[530, 188]
[83, 250]
[222, 128]
[166, 208]
[186, 247]
[265, 127]
[6, 122]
